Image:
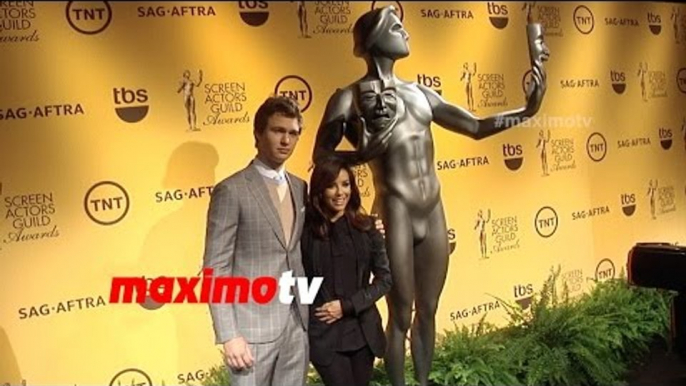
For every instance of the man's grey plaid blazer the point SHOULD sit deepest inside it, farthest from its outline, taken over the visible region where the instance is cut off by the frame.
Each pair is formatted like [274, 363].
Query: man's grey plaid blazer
[245, 238]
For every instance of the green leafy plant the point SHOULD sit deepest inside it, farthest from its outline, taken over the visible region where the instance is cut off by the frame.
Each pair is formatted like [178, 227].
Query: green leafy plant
[473, 356]
[217, 376]
[559, 344]
[589, 340]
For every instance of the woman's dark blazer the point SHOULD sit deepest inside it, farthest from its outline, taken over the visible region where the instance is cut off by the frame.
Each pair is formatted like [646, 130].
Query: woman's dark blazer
[371, 259]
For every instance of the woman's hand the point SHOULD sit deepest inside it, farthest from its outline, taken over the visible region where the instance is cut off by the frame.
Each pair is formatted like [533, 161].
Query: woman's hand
[329, 312]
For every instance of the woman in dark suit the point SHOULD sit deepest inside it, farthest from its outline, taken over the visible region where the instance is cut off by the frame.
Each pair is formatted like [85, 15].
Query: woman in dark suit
[341, 244]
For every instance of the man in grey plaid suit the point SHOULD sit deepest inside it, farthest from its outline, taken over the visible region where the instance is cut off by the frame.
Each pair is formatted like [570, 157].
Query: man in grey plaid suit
[254, 223]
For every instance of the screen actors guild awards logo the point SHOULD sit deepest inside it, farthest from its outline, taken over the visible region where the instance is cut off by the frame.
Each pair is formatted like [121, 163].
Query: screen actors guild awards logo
[678, 25]
[467, 76]
[330, 18]
[543, 141]
[187, 87]
[653, 82]
[480, 227]
[302, 20]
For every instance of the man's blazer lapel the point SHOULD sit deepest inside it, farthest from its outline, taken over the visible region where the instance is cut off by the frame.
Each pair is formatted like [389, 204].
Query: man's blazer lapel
[298, 197]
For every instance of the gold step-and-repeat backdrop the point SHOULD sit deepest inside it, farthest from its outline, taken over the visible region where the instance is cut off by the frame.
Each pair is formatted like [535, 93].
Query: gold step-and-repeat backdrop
[117, 119]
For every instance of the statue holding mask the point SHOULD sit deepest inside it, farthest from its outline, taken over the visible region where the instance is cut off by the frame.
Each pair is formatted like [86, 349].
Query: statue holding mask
[388, 121]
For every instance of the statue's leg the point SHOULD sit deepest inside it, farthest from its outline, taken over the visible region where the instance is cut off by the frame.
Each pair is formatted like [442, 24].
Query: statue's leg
[193, 113]
[430, 270]
[189, 116]
[399, 242]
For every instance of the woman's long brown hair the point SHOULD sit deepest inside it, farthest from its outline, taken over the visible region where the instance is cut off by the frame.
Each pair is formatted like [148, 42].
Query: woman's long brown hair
[318, 215]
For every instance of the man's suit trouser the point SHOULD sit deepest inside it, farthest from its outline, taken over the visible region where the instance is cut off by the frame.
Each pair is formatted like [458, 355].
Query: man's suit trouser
[283, 362]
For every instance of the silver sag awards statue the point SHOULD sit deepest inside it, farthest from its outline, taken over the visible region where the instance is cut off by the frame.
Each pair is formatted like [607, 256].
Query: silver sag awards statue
[388, 121]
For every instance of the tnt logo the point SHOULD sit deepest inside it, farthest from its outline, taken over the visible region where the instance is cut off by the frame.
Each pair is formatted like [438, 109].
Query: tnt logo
[665, 138]
[681, 80]
[497, 14]
[605, 270]
[596, 147]
[130, 105]
[628, 202]
[134, 377]
[654, 23]
[513, 156]
[433, 82]
[583, 19]
[106, 203]
[296, 88]
[452, 240]
[546, 222]
[89, 17]
[254, 13]
[523, 295]
[618, 81]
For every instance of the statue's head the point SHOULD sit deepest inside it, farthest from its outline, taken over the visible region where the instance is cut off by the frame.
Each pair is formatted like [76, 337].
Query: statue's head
[380, 32]
[537, 47]
[377, 102]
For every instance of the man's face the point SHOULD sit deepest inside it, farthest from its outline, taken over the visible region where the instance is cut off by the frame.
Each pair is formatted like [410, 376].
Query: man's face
[392, 42]
[277, 142]
[537, 47]
[378, 104]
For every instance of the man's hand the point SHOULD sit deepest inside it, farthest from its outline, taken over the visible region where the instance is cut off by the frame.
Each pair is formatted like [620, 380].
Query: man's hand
[237, 354]
[329, 312]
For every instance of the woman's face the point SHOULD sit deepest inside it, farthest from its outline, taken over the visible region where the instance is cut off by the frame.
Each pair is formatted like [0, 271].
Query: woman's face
[337, 195]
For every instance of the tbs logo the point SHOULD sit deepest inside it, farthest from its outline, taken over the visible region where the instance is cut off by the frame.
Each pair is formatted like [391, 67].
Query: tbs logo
[130, 105]
[433, 82]
[451, 240]
[523, 295]
[497, 14]
[513, 156]
[665, 138]
[628, 202]
[254, 13]
[654, 23]
[618, 80]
